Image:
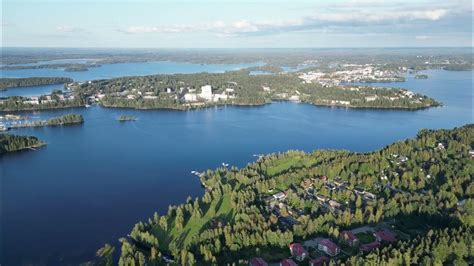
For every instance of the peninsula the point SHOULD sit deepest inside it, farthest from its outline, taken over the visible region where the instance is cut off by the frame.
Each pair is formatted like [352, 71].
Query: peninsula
[328, 205]
[191, 91]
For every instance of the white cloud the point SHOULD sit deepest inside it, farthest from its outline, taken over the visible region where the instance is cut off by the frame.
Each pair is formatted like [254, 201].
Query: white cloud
[422, 37]
[68, 29]
[323, 20]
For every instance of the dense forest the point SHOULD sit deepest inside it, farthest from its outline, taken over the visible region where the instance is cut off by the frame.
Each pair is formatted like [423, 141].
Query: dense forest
[421, 189]
[34, 81]
[437, 247]
[11, 143]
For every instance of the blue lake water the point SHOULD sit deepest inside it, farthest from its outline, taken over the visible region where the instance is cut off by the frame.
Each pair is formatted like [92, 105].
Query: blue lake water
[93, 182]
[31, 90]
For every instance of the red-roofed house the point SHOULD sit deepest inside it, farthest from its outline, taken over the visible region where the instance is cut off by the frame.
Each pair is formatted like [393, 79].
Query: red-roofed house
[328, 247]
[349, 238]
[385, 236]
[288, 262]
[257, 262]
[298, 251]
[370, 246]
[319, 261]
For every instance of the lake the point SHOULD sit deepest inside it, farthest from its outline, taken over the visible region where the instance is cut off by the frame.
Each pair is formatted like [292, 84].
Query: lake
[93, 182]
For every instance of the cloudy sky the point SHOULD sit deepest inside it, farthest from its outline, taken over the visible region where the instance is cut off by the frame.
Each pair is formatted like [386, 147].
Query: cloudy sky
[236, 24]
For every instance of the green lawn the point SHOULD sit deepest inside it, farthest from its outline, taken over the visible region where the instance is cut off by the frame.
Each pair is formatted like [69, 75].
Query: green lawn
[287, 163]
[365, 238]
[218, 209]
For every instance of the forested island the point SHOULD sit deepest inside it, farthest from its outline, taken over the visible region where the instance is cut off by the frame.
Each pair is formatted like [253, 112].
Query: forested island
[409, 203]
[124, 118]
[65, 120]
[421, 76]
[6, 83]
[12, 143]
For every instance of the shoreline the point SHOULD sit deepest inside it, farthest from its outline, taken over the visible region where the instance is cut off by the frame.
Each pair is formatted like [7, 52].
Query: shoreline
[185, 108]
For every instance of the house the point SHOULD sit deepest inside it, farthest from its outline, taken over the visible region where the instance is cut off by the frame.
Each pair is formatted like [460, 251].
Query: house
[371, 98]
[385, 236]
[359, 190]
[328, 247]
[323, 178]
[370, 246]
[321, 198]
[331, 186]
[339, 182]
[319, 261]
[280, 196]
[257, 262]
[150, 97]
[369, 196]
[298, 251]
[334, 205]
[288, 262]
[471, 153]
[307, 183]
[349, 238]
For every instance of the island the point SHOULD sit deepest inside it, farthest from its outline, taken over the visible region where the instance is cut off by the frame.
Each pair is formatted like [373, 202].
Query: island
[421, 76]
[410, 201]
[76, 68]
[12, 143]
[67, 119]
[6, 83]
[124, 118]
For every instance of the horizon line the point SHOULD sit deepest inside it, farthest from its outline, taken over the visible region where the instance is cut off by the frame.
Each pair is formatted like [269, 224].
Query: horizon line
[241, 48]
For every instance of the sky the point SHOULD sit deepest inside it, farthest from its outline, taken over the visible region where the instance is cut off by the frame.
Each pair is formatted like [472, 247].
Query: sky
[236, 24]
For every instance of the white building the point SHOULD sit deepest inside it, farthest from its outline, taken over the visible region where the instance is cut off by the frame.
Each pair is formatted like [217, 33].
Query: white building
[206, 92]
[217, 97]
[190, 97]
[150, 97]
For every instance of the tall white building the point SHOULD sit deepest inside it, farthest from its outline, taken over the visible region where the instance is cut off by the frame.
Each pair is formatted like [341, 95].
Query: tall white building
[206, 92]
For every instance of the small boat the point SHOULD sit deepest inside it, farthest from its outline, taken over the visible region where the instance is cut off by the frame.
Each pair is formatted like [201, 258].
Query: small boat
[88, 105]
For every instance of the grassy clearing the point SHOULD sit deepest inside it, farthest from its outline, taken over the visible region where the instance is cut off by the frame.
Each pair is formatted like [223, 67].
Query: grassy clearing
[220, 209]
[290, 162]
